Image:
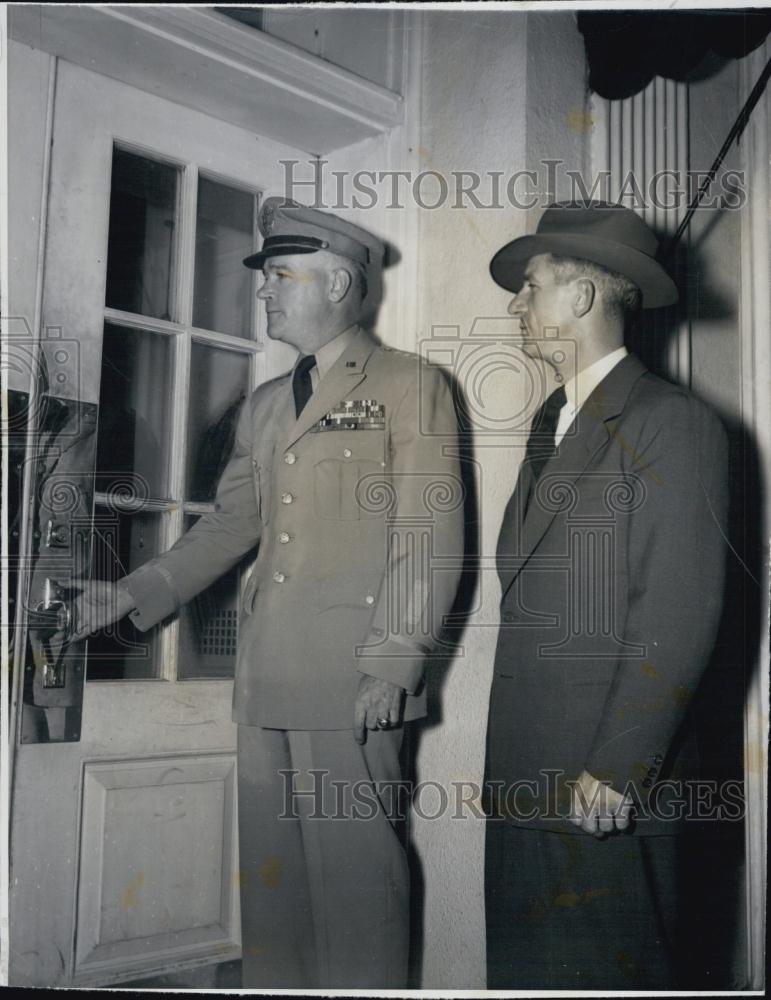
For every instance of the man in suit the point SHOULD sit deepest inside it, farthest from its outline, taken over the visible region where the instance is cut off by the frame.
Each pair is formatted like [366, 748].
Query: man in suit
[611, 561]
[344, 471]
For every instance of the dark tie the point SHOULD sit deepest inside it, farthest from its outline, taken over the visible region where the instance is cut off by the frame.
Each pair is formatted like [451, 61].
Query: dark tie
[301, 382]
[540, 448]
[540, 444]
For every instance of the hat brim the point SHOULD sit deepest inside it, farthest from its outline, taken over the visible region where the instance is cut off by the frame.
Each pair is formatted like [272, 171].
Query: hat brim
[508, 265]
[256, 260]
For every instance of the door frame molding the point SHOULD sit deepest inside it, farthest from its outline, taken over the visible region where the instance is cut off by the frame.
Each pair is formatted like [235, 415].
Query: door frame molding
[34, 346]
[755, 320]
[209, 62]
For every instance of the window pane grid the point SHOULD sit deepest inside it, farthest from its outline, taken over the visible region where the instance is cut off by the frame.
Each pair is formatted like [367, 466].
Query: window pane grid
[167, 329]
[118, 501]
[230, 235]
[189, 507]
[142, 240]
[224, 290]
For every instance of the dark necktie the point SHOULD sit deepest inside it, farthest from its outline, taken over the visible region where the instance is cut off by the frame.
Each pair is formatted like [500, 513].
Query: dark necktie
[540, 448]
[540, 444]
[301, 382]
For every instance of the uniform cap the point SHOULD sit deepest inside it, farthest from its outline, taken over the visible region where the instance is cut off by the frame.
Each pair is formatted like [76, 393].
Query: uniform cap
[290, 228]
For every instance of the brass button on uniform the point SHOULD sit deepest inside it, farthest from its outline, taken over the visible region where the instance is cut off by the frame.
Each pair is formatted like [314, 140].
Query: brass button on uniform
[347, 453]
[286, 498]
[279, 577]
[369, 599]
[290, 458]
[284, 537]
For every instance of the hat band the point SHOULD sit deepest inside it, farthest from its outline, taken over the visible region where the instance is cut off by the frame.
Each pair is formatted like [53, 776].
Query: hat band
[281, 242]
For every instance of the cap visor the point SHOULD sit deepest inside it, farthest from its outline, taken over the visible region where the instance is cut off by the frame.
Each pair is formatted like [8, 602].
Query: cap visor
[256, 260]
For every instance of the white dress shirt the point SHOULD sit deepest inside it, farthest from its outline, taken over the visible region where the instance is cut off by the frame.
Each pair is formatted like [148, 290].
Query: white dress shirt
[579, 388]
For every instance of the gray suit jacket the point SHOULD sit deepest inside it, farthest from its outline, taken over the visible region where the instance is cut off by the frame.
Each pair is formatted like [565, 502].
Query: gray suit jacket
[360, 537]
[612, 591]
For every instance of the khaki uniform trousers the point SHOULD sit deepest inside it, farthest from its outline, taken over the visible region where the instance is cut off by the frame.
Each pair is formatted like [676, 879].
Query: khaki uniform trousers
[324, 878]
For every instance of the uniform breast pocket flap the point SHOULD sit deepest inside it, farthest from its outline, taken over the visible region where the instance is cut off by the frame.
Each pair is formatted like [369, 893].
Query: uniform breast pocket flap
[349, 475]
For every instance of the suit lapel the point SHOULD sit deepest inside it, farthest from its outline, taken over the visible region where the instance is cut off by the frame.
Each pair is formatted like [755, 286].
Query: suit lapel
[338, 384]
[507, 554]
[589, 433]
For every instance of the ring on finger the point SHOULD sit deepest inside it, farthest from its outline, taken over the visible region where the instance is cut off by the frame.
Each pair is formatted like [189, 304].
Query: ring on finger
[383, 723]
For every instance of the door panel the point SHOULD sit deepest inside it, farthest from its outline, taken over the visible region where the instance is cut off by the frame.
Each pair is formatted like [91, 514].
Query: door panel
[157, 805]
[123, 843]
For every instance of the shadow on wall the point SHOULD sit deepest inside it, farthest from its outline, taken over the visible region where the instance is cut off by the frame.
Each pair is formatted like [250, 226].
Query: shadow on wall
[374, 299]
[436, 676]
[718, 707]
[711, 952]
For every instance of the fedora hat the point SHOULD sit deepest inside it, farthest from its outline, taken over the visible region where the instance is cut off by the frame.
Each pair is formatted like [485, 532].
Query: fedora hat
[606, 234]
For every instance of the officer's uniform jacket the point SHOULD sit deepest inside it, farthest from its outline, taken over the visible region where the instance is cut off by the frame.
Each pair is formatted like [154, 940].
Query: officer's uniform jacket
[612, 588]
[358, 510]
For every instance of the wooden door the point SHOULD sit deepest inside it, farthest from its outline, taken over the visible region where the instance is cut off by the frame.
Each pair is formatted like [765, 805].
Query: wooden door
[123, 842]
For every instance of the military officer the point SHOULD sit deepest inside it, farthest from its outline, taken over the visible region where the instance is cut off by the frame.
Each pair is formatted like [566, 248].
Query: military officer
[344, 471]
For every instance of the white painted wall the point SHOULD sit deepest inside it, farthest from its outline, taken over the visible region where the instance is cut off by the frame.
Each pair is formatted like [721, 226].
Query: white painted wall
[362, 41]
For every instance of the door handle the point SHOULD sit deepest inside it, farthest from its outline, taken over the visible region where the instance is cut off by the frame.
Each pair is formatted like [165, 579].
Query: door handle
[57, 550]
[51, 616]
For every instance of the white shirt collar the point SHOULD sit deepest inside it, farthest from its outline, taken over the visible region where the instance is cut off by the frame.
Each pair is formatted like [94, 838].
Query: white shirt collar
[579, 388]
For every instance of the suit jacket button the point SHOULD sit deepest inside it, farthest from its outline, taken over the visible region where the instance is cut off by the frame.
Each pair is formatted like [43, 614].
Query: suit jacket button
[290, 458]
[279, 577]
[347, 452]
[284, 537]
[369, 599]
[286, 498]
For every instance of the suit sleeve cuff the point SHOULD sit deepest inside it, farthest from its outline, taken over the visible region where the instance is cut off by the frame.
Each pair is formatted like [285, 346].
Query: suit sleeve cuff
[395, 662]
[154, 593]
[630, 768]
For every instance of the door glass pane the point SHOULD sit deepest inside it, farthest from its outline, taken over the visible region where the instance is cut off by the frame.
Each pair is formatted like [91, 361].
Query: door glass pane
[223, 291]
[135, 413]
[219, 382]
[140, 253]
[121, 543]
[208, 626]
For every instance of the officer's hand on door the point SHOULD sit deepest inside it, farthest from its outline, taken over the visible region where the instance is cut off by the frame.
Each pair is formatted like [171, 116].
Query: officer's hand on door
[99, 603]
[378, 706]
